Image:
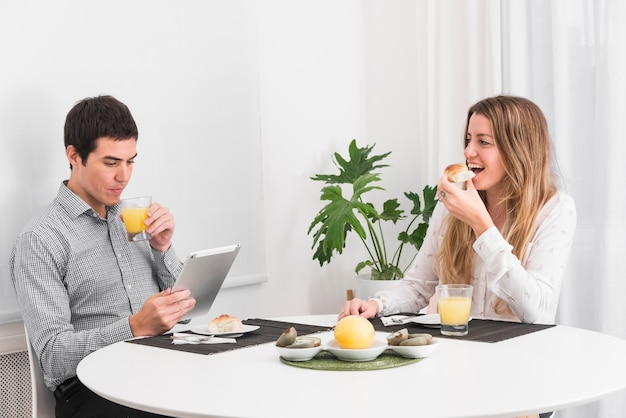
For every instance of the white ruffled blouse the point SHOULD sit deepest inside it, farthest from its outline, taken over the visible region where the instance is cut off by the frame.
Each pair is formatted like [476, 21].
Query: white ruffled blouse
[531, 287]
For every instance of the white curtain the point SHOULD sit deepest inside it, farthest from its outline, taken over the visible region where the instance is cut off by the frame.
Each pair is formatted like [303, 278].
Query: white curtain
[569, 56]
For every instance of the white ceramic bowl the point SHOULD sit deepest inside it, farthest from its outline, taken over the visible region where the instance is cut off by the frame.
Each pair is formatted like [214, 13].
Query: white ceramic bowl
[356, 354]
[415, 351]
[298, 354]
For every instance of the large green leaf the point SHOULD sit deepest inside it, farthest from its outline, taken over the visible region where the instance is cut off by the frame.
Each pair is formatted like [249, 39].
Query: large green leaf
[391, 211]
[350, 170]
[430, 201]
[340, 215]
[415, 238]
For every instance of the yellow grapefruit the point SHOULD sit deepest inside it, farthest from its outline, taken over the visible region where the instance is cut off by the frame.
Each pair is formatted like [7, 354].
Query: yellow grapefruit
[354, 332]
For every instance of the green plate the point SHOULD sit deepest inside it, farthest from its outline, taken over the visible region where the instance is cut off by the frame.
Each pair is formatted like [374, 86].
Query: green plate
[326, 361]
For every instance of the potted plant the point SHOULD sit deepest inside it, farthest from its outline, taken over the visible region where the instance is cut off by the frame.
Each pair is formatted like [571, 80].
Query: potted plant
[342, 215]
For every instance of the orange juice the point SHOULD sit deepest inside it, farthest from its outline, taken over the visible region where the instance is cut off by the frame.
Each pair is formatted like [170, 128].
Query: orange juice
[454, 310]
[134, 219]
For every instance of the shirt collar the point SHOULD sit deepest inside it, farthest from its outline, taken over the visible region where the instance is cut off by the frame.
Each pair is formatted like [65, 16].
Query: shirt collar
[75, 206]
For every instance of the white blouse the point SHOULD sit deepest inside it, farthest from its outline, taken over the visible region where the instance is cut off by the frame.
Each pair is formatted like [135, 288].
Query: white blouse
[531, 287]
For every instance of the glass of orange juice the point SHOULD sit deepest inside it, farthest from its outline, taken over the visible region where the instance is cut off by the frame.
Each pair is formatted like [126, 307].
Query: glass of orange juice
[134, 214]
[454, 302]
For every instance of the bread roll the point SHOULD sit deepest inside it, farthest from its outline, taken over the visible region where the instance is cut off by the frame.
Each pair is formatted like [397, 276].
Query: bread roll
[225, 323]
[458, 174]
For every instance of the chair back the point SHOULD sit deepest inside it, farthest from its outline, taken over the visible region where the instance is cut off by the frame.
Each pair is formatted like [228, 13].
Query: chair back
[43, 402]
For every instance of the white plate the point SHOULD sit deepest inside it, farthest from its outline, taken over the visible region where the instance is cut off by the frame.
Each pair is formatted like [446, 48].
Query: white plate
[204, 330]
[415, 351]
[298, 354]
[356, 354]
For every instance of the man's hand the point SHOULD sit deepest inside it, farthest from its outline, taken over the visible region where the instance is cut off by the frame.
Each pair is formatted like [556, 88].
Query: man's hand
[160, 226]
[161, 312]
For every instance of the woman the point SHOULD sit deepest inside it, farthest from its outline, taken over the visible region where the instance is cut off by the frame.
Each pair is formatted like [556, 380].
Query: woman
[509, 234]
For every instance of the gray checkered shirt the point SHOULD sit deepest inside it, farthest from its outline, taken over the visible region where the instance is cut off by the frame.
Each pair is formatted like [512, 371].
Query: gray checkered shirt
[78, 280]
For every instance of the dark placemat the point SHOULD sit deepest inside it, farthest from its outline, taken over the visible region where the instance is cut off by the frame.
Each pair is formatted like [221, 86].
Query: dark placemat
[268, 331]
[483, 330]
[326, 361]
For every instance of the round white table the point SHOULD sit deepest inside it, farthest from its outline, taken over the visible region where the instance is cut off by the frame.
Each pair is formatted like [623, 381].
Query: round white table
[538, 372]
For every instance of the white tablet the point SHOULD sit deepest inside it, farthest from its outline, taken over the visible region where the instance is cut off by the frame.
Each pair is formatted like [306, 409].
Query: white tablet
[203, 274]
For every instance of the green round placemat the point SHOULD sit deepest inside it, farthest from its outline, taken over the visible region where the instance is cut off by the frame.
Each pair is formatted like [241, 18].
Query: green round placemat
[326, 361]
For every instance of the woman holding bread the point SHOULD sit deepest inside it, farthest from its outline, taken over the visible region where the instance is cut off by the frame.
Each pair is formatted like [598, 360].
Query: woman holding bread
[507, 231]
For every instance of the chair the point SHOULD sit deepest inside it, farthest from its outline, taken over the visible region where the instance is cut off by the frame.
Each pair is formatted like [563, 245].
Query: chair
[43, 402]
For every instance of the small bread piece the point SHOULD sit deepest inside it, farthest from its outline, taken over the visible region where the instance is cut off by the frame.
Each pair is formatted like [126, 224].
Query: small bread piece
[458, 174]
[225, 323]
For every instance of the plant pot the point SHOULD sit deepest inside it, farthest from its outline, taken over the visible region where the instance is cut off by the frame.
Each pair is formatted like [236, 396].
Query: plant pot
[365, 287]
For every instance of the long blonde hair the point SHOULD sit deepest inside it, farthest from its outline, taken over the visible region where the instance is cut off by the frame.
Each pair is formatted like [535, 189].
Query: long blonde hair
[521, 137]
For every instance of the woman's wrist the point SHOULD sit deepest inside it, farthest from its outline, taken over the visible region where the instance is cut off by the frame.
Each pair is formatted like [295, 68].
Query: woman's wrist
[379, 305]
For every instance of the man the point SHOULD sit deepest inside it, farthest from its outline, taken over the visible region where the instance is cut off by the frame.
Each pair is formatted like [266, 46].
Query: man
[80, 284]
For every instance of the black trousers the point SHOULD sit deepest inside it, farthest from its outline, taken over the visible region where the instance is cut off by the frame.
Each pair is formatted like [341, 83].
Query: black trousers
[75, 400]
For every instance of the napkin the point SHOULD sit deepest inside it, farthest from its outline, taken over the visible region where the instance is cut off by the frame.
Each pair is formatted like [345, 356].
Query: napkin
[395, 320]
[179, 338]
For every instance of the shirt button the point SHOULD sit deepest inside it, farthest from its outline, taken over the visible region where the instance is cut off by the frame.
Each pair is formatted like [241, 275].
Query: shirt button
[129, 287]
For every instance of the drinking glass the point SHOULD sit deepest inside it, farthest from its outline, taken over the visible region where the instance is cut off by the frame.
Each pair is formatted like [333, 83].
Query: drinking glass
[454, 302]
[134, 214]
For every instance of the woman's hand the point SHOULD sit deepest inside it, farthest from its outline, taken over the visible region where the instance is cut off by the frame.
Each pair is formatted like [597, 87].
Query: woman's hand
[366, 309]
[465, 205]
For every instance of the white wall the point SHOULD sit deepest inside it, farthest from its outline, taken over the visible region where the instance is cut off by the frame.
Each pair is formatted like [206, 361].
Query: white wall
[312, 104]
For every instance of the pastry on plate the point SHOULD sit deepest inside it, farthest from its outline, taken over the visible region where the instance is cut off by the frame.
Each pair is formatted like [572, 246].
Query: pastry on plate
[225, 323]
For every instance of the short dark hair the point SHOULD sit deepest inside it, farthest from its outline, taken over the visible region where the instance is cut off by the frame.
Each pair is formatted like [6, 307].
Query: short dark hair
[97, 117]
